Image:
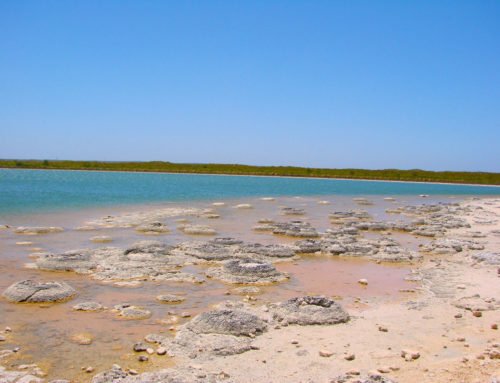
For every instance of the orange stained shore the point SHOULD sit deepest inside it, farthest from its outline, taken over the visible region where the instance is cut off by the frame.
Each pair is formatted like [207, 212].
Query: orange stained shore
[44, 332]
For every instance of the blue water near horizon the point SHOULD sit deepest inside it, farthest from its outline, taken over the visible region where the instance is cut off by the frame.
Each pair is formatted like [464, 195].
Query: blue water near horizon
[25, 191]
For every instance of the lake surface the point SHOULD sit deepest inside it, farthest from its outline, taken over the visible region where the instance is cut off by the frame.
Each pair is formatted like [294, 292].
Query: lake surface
[25, 191]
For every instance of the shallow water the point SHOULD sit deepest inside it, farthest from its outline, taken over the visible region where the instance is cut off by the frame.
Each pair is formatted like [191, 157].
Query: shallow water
[44, 331]
[52, 190]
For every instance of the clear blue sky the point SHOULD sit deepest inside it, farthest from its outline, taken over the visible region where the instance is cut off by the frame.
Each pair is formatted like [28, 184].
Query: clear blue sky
[371, 84]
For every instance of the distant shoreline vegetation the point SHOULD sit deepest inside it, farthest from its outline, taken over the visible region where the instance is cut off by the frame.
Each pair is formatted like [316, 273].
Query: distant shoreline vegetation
[416, 175]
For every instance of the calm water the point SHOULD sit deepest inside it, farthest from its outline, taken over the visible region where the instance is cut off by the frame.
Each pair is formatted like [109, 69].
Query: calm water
[23, 191]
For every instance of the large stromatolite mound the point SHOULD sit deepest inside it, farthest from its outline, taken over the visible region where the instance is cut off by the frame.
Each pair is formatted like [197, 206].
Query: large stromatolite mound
[209, 251]
[226, 241]
[308, 246]
[144, 260]
[30, 291]
[309, 310]
[218, 249]
[149, 247]
[74, 260]
[266, 251]
[227, 322]
[218, 332]
[247, 271]
[221, 249]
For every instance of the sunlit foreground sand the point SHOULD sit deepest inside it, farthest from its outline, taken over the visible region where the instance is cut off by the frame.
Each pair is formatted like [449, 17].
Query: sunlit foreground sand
[371, 289]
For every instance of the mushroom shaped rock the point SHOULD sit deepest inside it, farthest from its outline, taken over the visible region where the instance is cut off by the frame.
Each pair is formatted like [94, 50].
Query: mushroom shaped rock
[310, 310]
[30, 291]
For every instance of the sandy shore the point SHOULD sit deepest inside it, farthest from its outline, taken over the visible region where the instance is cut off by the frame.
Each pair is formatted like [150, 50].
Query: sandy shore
[425, 322]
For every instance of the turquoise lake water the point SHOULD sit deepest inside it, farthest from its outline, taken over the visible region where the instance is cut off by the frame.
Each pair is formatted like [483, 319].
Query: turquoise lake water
[24, 191]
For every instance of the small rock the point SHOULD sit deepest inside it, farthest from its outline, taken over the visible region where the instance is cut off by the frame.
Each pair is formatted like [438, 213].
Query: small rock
[353, 372]
[494, 326]
[140, 347]
[410, 355]
[83, 339]
[143, 358]
[325, 353]
[150, 351]
[161, 351]
[458, 315]
[350, 357]
[89, 369]
[477, 314]
[384, 370]
[382, 328]
[133, 372]
[363, 281]
[170, 298]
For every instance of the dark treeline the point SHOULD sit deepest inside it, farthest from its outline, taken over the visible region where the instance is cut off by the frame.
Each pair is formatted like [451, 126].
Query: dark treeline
[159, 166]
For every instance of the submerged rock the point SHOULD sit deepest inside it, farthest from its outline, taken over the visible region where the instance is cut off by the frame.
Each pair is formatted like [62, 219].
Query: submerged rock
[30, 291]
[309, 310]
[131, 312]
[170, 298]
[247, 290]
[101, 239]
[362, 201]
[348, 216]
[292, 211]
[88, 306]
[152, 228]
[295, 229]
[197, 230]
[244, 206]
[247, 271]
[34, 230]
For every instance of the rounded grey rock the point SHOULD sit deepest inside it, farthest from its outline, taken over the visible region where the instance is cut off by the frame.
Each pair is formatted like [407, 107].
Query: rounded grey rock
[229, 322]
[31, 291]
[310, 310]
